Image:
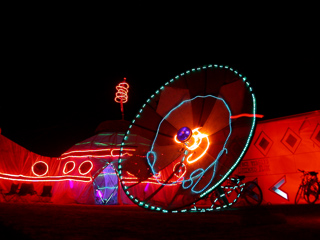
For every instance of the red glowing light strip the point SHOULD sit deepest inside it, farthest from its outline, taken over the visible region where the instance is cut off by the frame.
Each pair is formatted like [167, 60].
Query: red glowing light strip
[23, 178]
[151, 180]
[122, 92]
[111, 154]
[247, 115]
[122, 95]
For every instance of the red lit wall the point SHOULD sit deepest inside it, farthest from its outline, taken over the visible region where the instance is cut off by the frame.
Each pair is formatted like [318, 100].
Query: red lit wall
[279, 148]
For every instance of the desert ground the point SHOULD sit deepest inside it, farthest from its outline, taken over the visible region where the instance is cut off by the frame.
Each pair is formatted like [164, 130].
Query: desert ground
[52, 221]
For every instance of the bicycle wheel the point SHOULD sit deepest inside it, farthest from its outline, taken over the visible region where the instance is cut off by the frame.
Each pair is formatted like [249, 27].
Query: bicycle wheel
[312, 192]
[299, 194]
[252, 194]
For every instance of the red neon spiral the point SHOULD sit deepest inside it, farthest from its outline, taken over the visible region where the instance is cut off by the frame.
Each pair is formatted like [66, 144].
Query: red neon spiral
[122, 94]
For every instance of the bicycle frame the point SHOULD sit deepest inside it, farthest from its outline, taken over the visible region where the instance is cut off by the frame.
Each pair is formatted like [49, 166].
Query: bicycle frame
[227, 194]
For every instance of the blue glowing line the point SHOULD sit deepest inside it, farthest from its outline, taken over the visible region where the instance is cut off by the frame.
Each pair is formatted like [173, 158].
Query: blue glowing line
[198, 173]
[243, 151]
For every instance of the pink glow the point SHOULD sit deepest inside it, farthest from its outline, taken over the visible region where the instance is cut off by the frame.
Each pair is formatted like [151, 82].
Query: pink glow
[99, 193]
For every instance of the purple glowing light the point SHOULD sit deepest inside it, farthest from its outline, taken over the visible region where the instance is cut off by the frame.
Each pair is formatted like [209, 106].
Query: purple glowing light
[184, 134]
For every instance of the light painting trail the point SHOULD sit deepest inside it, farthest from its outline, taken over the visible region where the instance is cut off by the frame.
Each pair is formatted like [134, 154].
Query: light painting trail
[23, 178]
[194, 178]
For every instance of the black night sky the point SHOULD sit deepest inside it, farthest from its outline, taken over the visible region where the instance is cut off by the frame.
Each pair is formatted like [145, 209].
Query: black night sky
[55, 93]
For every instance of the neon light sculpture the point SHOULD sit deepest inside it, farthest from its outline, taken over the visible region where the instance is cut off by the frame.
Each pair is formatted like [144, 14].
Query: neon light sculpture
[194, 130]
[217, 105]
[122, 95]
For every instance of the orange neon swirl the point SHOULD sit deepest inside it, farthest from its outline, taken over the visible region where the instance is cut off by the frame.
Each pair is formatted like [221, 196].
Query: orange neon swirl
[194, 142]
[122, 92]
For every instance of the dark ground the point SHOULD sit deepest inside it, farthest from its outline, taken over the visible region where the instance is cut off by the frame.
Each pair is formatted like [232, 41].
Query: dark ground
[50, 221]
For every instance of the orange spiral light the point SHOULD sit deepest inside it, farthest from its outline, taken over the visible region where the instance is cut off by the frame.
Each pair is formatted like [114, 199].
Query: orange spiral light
[122, 92]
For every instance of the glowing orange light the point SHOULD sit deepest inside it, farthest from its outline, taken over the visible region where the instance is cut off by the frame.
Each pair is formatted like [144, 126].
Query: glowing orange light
[122, 92]
[194, 143]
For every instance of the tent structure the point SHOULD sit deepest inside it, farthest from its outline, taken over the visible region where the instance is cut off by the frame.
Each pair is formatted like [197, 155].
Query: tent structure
[84, 174]
[96, 158]
[279, 148]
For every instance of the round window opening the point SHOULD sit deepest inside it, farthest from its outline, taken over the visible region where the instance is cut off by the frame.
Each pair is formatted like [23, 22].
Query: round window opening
[40, 169]
[68, 167]
[85, 167]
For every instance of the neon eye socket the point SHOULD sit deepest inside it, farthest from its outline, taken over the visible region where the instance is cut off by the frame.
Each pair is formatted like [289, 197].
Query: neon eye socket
[68, 167]
[85, 167]
[40, 168]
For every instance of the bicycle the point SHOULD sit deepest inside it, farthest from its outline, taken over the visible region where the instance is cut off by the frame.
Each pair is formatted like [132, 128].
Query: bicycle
[309, 187]
[229, 192]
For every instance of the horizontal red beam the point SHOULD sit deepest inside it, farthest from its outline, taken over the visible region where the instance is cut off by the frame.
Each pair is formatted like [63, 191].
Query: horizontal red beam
[24, 178]
[247, 115]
